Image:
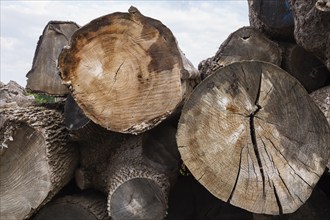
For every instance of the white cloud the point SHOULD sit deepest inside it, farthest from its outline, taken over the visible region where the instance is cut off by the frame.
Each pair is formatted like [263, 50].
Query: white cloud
[199, 26]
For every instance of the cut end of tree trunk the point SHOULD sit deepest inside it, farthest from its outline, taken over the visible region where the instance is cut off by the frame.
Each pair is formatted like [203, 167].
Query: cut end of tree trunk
[124, 71]
[252, 136]
[138, 198]
[44, 76]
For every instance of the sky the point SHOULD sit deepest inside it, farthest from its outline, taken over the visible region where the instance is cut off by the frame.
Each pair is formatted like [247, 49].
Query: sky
[200, 27]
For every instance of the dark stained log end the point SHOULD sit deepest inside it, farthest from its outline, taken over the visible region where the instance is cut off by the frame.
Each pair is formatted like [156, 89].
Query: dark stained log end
[74, 117]
[247, 43]
[274, 18]
[138, 198]
[43, 76]
[323, 5]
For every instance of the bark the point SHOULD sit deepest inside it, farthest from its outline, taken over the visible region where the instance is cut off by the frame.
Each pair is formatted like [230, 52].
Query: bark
[36, 160]
[305, 67]
[274, 18]
[43, 76]
[90, 205]
[126, 71]
[253, 137]
[244, 44]
[312, 28]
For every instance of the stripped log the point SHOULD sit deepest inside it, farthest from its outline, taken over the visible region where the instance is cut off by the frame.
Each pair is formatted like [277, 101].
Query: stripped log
[43, 76]
[312, 28]
[274, 18]
[244, 44]
[304, 66]
[253, 137]
[126, 71]
[90, 205]
[36, 160]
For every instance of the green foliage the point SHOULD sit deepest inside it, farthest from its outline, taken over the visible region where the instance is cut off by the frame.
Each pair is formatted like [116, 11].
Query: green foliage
[43, 98]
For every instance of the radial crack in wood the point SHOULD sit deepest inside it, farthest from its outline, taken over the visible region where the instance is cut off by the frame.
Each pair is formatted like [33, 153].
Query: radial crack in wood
[126, 71]
[252, 136]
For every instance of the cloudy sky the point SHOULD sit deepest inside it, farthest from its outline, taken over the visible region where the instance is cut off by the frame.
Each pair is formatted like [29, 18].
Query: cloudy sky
[199, 26]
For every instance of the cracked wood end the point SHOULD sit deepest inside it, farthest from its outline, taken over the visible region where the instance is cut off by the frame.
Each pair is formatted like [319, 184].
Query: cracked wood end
[126, 71]
[252, 136]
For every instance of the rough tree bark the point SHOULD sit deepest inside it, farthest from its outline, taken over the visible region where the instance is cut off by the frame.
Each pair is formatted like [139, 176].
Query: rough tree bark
[36, 160]
[44, 76]
[274, 18]
[312, 28]
[252, 136]
[126, 71]
[304, 66]
[12, 94]
[90, 205]
[244, 44]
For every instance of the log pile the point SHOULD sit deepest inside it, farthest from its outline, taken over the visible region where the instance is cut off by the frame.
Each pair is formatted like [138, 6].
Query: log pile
[142, 134]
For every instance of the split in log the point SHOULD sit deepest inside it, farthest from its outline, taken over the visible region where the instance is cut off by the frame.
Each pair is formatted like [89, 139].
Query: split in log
[91, 205]
[126, 71]
[253, 137]
[316, 207]
[274, 18]
[36, 160]
[244, 44]
[12, 94]
[305, 67]
[312, 28]
[44, 76]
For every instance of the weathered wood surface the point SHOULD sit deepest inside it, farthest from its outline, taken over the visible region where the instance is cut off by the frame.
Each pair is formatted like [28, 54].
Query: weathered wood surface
[322, 99]
[244, 44]
[316, 207]
[43, 76]
[312, 28]
[304, 66]
[12, 94]
[274, 18]
[253, 137]
[126, 71]
[90, 205]
[36, 160]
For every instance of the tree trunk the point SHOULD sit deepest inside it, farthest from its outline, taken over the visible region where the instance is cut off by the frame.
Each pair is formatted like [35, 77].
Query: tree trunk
[13, 94]
[126, 71]
[253, 137]
[305, 67]
[44, 76]
[90, 205]
[36, 160]
[312, 28]
[274, 18]
[244, 44]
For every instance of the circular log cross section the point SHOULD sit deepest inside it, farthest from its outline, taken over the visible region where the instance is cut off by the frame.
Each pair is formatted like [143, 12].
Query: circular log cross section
[253, 137]
[138, 198]
[124, 70]
[25, 177]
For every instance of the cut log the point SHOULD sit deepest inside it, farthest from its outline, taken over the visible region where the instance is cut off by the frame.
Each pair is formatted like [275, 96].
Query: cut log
[253, 137]
[12, 94]
[322, 99]
[36, 160]
[91, 205]
[126, 71]
[316, 207]
[244, 44]
[43, 76]
[274, 18]
[312, 28]
[305, 67]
